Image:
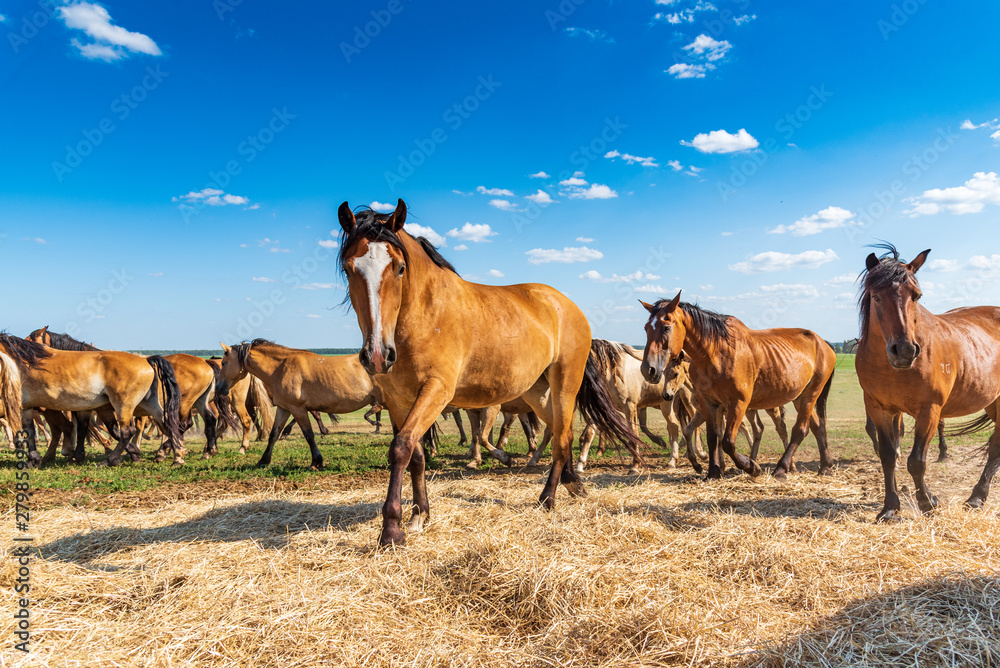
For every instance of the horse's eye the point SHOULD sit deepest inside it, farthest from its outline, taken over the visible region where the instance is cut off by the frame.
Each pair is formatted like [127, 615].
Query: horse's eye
[402, 268]
[876, 299]
[917, 297]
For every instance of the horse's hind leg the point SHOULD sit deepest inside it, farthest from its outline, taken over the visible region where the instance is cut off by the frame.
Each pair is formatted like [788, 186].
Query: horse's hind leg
[757, 427]
[586, 438]
[540, 450]
[487, 417]
[942, 443]
[555, 405]
[281, 416]
[319, 421]
[303, 419]
[211, 425]
[982, 488]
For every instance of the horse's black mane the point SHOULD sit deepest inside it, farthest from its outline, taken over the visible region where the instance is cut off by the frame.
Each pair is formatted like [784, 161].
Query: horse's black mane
[23, 351]
[370, 225]
[713, 326]
[67, 342]
[888, 272]
[243, 349]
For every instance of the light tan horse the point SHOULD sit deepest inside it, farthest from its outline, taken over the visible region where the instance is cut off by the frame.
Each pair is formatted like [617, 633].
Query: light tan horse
[118, 385]
[249, 401]
[735, 369]
[432, 339]
[10, 396]
[299, 381]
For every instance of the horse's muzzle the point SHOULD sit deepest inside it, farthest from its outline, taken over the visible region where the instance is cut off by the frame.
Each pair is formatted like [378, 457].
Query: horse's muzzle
[902, 354]
[375, 361]
[651, 373]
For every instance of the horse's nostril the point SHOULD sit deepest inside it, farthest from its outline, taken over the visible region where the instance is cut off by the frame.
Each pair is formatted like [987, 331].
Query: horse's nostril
[365, 356]
[390, 356]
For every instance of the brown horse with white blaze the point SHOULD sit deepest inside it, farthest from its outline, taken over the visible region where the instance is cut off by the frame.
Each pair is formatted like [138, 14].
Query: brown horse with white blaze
[735, 368]
[927, 366]
[432, 339]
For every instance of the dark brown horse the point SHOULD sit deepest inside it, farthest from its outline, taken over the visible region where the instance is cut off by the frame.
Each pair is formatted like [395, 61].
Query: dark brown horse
[927, 366]
[432, 339]
[735, 368]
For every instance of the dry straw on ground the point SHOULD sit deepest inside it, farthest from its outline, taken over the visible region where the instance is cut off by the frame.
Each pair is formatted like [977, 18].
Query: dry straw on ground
[660, 570]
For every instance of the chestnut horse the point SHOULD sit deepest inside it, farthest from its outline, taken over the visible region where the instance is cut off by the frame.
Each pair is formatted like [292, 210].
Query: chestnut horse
[927, 366]
[299, 381]
[118, 385]
[432, 339]
[735, 368]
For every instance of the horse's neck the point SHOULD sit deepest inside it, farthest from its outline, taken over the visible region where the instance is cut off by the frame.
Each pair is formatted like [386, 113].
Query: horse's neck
[262, 364]
[428, 292]
[703, 351]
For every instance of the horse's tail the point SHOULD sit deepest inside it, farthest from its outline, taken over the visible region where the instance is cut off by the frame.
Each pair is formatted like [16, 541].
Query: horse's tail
[259, 397]
[821, 402]
[973, 426]
[10, 391]
[594, 402]
[223, 404]
[171, 390]
[607, 357]
[535, 423]
[683, 416]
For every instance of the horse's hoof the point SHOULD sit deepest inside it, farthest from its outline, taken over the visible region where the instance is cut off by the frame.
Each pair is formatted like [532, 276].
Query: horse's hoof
[262, 464]
[578, 468]
[46, 461]
[575, 488]
[473, 465]
[178, 462]
[826, 471]
[928, 505]
[243, 450]
[110, 462]
[635, 470]
[887, 516]
[755, 469]
[974, 503]
[672, 464]
[391, 536]
[698, 468]
[416, 524]
[547, 502]
[779, 474]
[943, 458]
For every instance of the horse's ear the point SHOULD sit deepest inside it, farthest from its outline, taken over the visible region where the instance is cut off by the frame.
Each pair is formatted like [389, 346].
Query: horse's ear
[871, 261]
[648, 307]
[681, 356]
[674, 302]
[918, 261]
[398, 217]
[45, 329]
[224, 346]
[347, 220]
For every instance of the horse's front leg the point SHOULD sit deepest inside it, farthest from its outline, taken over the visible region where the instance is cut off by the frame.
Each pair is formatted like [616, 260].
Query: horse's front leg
[916, 463]
[888, 435]
[734, 420]
[982, 488]
[405, 452]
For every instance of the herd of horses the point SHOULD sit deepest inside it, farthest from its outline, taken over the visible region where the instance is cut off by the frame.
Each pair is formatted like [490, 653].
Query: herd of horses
[430, 345]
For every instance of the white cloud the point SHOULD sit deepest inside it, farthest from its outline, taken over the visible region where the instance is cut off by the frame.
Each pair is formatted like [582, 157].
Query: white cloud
[995, 136]
[944, 265]
[461, 247]
[262, 279]
[327, 243]
[495, 273]
[253, 207]
[638, 275]
[585, 240]
[415, 230]
[632, 159]
[578, 174]
[708, 47]
[313, 315]
[539, 175]
[477, 233]
[843, 279]
[37, 240]
[541, 197]
[382, 207]
[494, 192]
[687, 71]
[503, 205]
[793, 290]
[111, 42]
[746, 18]
[3, 19]
[573, 181]
[459, 192]
[967, 124]
[595, 191]
[686, 15]
[775, 261]
[706, 288]
[156, 274]
[675, 165]
[983, 262]
[211, 197]
[593, 35]
[651, 288]
[982, 189]
[318, 286]
[829, 218]
[565, 256]
[720, 141]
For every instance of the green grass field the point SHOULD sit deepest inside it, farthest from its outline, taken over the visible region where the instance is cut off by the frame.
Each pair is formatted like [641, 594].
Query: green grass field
[352, 448]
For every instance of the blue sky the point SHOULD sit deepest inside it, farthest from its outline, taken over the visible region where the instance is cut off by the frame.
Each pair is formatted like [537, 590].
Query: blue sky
[171, 171]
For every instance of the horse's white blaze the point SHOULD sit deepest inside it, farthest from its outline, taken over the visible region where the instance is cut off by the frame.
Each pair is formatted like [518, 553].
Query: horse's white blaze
[371, 266]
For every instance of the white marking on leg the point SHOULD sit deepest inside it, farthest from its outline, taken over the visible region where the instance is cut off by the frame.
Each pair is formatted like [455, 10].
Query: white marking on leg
[371, 265]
